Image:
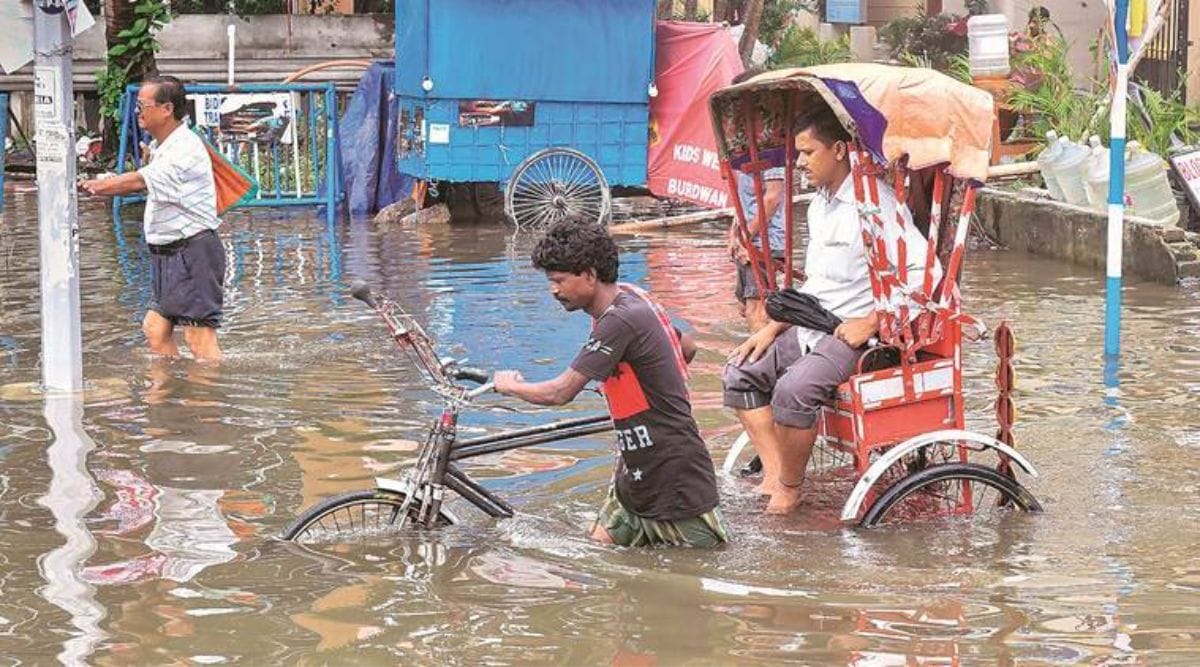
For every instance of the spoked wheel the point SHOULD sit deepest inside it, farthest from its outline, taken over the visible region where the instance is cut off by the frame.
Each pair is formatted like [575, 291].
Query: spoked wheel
[355, 516]
[555, 183]
[949, 490]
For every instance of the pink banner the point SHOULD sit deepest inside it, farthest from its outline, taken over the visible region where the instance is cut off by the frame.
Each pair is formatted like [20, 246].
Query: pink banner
[691, 61]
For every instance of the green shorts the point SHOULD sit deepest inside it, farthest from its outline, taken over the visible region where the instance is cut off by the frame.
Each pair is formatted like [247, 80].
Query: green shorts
[630, 530]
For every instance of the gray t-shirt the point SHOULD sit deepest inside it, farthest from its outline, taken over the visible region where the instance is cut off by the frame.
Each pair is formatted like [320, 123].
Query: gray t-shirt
[775, 231]
[665, 471]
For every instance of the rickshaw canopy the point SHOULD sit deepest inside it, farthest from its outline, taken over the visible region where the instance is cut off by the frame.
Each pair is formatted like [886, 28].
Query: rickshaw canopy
[894, 112]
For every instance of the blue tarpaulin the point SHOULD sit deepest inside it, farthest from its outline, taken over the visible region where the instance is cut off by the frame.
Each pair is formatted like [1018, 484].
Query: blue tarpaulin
[368, 129]
[545, 50]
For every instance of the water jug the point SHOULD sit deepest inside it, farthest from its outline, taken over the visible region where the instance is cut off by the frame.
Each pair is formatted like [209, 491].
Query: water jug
[987, 41]
[1068, 171]
[1147, 189]
[1054, 148]
[1095, 175]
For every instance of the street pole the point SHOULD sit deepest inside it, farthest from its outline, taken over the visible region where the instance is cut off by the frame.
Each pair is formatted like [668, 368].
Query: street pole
[58, 224]
[1116, 182]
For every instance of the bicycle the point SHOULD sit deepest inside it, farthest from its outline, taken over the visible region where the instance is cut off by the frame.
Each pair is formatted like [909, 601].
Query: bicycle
[418, 498]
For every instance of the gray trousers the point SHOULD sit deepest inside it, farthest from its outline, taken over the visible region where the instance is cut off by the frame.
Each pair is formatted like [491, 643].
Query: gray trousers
[794, 384]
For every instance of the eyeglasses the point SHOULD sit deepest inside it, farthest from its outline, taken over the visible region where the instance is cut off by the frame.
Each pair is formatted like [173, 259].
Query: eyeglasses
[141, 106]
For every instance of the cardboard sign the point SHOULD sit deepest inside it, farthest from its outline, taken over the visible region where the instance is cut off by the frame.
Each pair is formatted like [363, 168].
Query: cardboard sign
[1187, 168]
[264, 118]
[846, 11]
[16, 48]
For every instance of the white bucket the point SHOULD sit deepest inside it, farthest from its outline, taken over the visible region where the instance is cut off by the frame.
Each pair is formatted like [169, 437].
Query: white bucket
[987, 40]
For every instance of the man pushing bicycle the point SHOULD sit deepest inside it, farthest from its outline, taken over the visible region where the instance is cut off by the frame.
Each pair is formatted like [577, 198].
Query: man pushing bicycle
[664, 488]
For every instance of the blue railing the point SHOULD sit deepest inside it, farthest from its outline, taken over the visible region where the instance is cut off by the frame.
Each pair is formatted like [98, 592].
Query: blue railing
[305, 172]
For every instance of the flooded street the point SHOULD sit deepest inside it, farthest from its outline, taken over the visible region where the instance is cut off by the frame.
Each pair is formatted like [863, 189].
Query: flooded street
[149, 537]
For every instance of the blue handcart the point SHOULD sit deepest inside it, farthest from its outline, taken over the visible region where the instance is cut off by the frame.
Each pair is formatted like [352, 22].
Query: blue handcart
[549, 98]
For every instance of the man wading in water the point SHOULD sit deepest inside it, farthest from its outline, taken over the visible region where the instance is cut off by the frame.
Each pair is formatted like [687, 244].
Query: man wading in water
[664, 488]
[187, 257]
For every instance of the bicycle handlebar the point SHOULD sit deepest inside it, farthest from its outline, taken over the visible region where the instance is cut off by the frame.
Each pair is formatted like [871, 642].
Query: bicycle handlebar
[359, 289]
[476, 375]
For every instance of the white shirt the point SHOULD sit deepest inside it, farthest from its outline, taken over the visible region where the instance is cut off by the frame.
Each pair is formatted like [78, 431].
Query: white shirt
[182, 196]
[835, 263]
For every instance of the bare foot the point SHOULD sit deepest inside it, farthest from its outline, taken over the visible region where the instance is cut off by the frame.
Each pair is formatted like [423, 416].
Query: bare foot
[783, 500]
[766, 488]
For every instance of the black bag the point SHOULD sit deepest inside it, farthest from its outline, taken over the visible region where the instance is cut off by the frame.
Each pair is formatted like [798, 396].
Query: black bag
[792, 307]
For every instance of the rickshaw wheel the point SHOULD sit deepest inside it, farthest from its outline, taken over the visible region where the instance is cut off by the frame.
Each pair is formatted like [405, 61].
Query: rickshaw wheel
[949, 490]
[555, 183]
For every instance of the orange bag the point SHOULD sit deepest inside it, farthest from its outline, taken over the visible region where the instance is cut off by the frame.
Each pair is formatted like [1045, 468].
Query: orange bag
[234, 186]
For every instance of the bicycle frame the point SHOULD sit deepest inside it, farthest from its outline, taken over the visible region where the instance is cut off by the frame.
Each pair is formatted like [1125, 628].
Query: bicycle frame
[435, 470]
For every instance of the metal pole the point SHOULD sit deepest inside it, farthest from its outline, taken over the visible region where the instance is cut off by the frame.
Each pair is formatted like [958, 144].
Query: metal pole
[231, 33]
[3, 142]
[62, 361]
[1116, 183]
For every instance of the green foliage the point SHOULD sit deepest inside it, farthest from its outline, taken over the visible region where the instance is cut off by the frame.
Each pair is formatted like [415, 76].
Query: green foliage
[800, 47]
[776, 18]
[238, 7]
[136, 46]
[1047, 97]
[935, 39]
[1158, 119]
[110, 86]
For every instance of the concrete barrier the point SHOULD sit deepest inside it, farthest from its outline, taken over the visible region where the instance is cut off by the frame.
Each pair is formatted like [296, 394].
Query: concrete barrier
[1029, 220]
[269, 47]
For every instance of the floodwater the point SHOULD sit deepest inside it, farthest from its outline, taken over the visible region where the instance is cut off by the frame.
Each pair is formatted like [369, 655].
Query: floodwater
[145, 532]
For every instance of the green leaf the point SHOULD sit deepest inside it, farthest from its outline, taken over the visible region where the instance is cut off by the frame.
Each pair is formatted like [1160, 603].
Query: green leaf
[140, 25]
[118, 50]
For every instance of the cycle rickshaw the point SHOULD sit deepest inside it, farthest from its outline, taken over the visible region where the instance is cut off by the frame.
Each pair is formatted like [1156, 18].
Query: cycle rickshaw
[897, 426]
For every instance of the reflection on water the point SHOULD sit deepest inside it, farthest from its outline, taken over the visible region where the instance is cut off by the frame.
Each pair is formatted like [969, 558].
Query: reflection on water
[179, 475]
[71, 495]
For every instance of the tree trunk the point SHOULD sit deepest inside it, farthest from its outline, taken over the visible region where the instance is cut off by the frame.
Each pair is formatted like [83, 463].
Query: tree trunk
[118, 16]
[722, 11]
[751, 18]
[666, 9]
[690, 10]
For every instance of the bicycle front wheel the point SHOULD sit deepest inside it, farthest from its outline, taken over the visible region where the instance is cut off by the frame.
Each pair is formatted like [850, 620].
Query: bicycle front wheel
[354, 516]
[947, 490]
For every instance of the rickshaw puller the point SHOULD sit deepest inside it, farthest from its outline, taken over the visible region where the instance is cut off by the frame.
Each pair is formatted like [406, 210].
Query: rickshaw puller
[664, 488]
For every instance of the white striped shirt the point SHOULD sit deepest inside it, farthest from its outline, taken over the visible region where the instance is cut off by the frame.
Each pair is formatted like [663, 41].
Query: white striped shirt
[835, 262]
[182, 196]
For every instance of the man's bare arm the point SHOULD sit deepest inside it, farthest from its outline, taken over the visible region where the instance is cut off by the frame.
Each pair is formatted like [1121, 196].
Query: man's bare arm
[559, 391]
[124, 184]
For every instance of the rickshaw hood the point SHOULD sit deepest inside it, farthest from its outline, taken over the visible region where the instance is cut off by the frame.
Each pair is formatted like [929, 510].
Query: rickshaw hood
[893, 111]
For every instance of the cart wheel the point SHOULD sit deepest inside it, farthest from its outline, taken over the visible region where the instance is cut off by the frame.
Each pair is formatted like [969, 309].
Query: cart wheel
[950, 490]
[554, 183]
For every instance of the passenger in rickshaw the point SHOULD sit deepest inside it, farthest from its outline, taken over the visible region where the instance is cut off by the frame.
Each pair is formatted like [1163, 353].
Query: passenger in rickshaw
[746, 289]
[778, 379]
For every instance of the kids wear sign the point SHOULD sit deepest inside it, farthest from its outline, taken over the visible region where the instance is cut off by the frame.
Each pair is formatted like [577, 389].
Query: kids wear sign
[692, 60]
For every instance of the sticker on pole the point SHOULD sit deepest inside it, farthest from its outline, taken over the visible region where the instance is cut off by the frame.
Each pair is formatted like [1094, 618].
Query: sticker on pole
[52, 142]
[47, 102]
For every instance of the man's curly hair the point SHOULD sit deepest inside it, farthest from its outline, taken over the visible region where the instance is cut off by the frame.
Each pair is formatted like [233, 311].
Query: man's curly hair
[574, 245]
